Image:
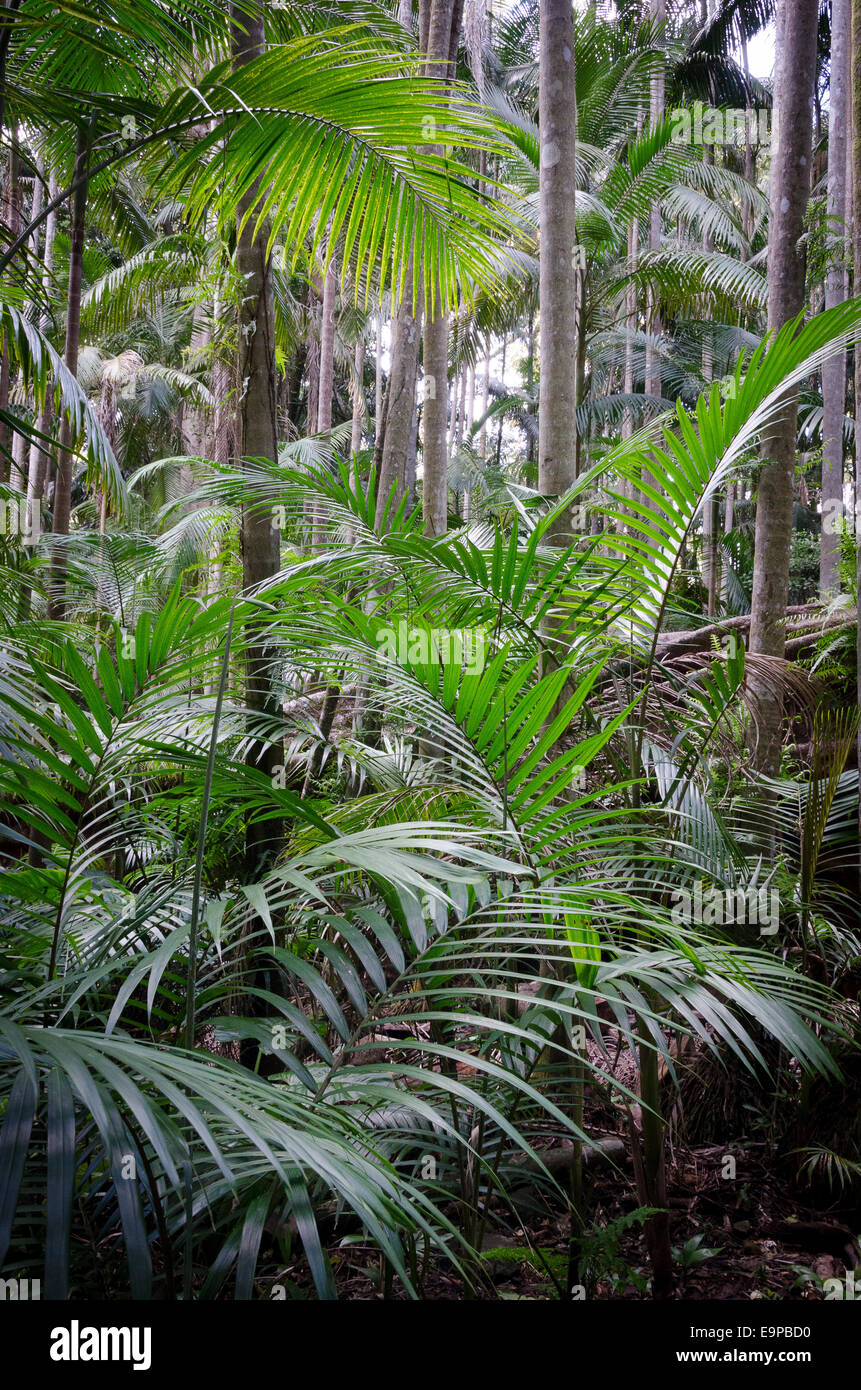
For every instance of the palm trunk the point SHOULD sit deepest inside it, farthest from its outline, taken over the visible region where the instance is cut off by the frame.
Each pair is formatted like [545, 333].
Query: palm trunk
[396, 414]
[443, 35]
[499, 425]
[38, 462]
[836, 290]
[326, 385]
[378, 379]
[653, 383]
[710, 514]
[557, 119]
[11, 217]
[358, 398]
[485, 401]
[63, 482]
[790, 183]
[256, 438]
[749, 156]
[394, 430]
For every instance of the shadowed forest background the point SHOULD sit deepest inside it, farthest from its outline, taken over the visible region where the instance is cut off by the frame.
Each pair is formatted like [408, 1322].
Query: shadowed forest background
[429, 650]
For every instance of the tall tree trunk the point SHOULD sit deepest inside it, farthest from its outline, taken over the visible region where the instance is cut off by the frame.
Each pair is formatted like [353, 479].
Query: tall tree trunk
[11, 219]
[327, 350]
[394, 424]
[558, 275]
[749, 155]
[358, 398]
[326, 387]
[710, 514]
[256, 438]
[38, 462]
[653, 385]
[836, 289]
[378, 380]
[790, 183]
[443, 36]
[481, 444]
[498, 455]
[63, 483]
[630, 324]
[394, 430]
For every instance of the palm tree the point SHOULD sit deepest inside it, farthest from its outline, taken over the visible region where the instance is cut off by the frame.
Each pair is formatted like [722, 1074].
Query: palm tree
[379, 990]
[789, 187]
[836, 290]
[561, 272]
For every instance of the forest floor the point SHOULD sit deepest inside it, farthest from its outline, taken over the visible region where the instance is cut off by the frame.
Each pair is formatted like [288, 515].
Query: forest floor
[755, 1237]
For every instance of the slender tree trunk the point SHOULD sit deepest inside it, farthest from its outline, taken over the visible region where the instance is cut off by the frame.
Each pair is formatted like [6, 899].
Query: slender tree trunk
[460, 426]
[63, 483]
[498, 456]
[790, 183]
[749, 155]
[558, 277]
[470, 404]
[394, 430]
[11, 218]
[630, 325]
[38, 462]
[452, 416]
[485, 402]
[326, 387]
[728, 524]
[378, 380]
[710, 514]
[653, 383]
[256, 438]
[396, 418]
[836, 290]
[358, 398]
[443, 35]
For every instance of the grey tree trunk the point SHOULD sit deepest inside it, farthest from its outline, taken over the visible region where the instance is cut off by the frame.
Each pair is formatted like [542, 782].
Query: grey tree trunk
[256, 438]
[326, 382]
[790, 183]
[710, 514]
[399, 408]
[443, 36]
[358, 398]
[653, 385]
[481, 443]
[38, 462]
[836, 290]
[10, 214]
[63, 483]
[558, 275]
[378, 378]
[630, 324]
